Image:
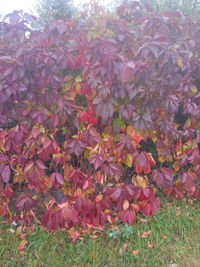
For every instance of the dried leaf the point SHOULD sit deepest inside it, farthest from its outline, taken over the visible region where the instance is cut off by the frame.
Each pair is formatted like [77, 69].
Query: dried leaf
[73, 234]
[145, 234]
[178, 213]
[164, 236]
[135, 252]
[151, 245]
[125, 245]
[22, 245]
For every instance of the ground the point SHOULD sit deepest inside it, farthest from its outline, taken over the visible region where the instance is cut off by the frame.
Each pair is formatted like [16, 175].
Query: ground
[170, 239]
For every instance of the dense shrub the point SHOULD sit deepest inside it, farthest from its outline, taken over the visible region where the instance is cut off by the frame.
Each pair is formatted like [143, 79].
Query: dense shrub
[96, 115]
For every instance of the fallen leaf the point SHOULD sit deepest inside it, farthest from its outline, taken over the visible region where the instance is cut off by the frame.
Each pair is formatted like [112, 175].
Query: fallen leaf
[125, 245]
[22, 245]
[142, 220]
[151, 245]
[73, 234]
[135, 252]
[145, 234]
[178, 213]
[164, 236]
[93, 236]
[191, 202]
[120, 251]
[22, 235]
[176, 238]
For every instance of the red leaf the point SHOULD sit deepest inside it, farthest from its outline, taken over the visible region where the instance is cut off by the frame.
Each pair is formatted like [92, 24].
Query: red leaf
[28, 165]
[35, 132]
[7, 192]
[59, 178]
[6, 173]
[128, 216]
[24, 203]
[47, 143]
[40, 164]
[115, 193]
[52, 178]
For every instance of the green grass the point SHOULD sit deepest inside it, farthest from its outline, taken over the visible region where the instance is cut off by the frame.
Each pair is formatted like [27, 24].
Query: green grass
[181, 246]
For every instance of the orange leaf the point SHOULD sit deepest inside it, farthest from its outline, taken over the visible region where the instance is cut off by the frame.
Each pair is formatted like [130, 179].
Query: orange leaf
[125, 245]
[178, 213]
[145, 234]
[73, 234]
[164, 236]
[151, 245]
[22, 245]
[135, 252]
[130, 131]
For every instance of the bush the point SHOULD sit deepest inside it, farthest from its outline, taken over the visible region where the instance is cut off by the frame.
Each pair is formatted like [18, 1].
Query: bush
[96, 115]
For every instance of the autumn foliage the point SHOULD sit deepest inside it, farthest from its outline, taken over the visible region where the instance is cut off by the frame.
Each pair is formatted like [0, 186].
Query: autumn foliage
[97, 115]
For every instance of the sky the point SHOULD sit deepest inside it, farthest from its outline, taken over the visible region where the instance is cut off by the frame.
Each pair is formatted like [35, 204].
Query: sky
[7, 6]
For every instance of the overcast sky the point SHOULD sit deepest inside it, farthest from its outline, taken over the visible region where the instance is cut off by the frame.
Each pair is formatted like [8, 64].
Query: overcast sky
[7, 6]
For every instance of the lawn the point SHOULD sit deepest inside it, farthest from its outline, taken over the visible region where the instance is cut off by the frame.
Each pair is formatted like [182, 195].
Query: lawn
[170, 238]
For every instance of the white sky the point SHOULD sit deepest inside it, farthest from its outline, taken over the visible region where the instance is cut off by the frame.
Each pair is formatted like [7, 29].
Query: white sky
[7, 6]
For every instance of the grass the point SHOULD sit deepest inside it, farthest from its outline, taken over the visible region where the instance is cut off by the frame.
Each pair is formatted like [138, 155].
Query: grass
[175, 231]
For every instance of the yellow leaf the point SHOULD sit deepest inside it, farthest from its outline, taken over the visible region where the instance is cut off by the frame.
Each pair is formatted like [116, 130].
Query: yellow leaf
[130, 131]
[194, 89]
[68, 78]
[78, 86]
[67, 86]
[129, 160]
[162, 159]
[35, 197]
[185, 147]
[78, 79]
[188, 123]
[107, 211]
[42, 129]
[180, 62]
[140, 181]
